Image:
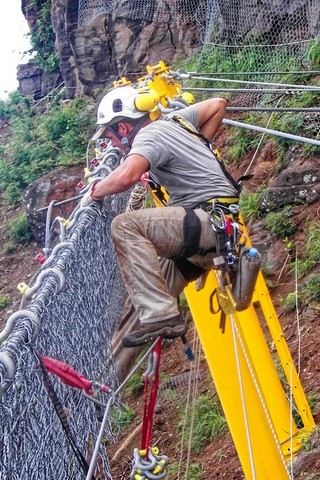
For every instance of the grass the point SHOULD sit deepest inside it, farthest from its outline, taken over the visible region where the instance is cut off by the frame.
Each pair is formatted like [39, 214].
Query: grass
[122, 416]
[208, 422]
[4, 301]
[310, 253]
[194, 470]
[280, 223]
[250, 204]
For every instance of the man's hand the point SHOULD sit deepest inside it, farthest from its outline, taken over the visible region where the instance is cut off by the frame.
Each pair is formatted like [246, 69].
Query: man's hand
[89, 197]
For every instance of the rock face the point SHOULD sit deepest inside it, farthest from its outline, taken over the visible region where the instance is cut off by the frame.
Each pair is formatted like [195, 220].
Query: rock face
[57, 185]
[109, 46]
[298, 183]
[95, 48]
[33, 81]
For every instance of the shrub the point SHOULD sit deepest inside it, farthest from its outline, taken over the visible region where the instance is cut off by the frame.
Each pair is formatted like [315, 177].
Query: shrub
[18, 230]
[311, 289]
[291, 301]
[311, 251]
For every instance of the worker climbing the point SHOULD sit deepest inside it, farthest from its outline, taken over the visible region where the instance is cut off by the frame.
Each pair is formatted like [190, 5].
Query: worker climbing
[161, 250]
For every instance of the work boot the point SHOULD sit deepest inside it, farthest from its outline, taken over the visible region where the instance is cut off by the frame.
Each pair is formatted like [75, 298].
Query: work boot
[171, 328]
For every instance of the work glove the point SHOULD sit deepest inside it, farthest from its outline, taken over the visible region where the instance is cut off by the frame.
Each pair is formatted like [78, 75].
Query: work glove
[88, 197]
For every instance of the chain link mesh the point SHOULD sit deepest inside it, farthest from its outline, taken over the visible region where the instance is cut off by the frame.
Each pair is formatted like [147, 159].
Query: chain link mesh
[233, 23]
[76, 327]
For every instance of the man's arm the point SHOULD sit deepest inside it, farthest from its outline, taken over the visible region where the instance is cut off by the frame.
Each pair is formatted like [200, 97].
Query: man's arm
[211, 113]
[122, 178]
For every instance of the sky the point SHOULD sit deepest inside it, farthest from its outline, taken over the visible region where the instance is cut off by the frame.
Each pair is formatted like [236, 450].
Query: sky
[13, 42]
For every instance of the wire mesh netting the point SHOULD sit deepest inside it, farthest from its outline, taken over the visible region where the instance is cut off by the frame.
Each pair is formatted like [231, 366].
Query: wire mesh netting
[74, 325]
[242, 41]
[233, 23]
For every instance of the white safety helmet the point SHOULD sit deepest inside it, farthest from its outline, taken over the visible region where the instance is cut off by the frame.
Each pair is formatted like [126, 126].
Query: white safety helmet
[124, 102]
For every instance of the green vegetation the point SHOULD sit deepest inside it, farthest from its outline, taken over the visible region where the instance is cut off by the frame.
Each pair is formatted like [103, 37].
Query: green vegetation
[4, 301]
[135, 383]
[309, 291]
[204, 424]
[250, 204]
[122, 416]
[292, 301]
[18, 230]
[311, 251]
[194, 470]
[42, 38]
[41, 141]
[280, 223]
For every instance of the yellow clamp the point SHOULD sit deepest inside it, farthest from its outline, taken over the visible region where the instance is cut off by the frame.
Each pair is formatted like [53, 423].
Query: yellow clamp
[225, 300]
[160, 468]
[98, 153]
[121, 83]
[153, 450]
[64, 221]
[23, 288]
[217, 153]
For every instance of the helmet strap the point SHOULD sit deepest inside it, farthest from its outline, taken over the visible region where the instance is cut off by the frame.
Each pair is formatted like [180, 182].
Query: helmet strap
[126, 140]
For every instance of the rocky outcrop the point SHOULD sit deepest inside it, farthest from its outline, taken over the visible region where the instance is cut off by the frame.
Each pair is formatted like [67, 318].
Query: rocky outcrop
[129, 34]
[298, 183]
[57, 185]
[33, 81]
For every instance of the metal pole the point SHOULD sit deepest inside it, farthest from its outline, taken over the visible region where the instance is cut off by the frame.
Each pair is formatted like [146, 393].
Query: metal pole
[297, 138]
[248, 90]
[274, 109]
[77, 197]
[248, 82]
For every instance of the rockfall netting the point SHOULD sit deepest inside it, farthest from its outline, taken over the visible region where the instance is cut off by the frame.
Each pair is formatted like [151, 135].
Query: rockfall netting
[74, 310]
[229, 23]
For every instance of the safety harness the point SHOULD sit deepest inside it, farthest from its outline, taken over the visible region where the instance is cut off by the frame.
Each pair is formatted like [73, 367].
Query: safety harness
[183, 124]
[191, 223]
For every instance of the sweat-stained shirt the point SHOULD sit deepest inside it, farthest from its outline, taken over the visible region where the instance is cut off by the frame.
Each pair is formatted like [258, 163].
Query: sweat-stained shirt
[181, 162]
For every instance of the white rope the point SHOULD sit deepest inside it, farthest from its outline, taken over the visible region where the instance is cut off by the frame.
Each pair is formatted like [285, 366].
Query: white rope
[297, 314]
[243, 400]
[193, 382]
[235, 328]
[262, 138]
[197, 350]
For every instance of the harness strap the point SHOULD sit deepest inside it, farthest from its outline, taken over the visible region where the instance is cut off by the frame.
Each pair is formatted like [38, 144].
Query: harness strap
[183, 124]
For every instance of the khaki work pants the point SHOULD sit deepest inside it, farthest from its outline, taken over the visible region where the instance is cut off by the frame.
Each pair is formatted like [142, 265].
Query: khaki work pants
[142, 236]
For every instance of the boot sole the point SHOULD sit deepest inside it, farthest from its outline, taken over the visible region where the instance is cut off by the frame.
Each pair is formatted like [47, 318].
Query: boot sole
[165, 332]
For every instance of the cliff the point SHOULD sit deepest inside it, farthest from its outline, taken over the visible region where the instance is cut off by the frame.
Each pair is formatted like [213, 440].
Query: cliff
[97, 41]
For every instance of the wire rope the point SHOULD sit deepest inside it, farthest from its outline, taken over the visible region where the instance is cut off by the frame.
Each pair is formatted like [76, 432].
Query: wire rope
[195, 379]
[261, 139]
[267, 84]
[255, 383]
[243, 400]
[302, 72]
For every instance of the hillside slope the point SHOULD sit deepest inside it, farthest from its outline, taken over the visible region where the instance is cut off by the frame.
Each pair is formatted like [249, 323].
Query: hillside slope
[218, 459]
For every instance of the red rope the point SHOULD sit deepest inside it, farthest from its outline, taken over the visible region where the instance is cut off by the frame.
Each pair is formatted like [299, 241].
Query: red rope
[149, 406]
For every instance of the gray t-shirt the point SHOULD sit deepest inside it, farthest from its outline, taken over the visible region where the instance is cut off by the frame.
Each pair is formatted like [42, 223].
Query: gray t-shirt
[181, 162]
